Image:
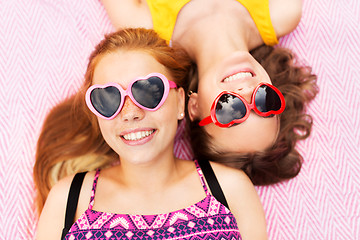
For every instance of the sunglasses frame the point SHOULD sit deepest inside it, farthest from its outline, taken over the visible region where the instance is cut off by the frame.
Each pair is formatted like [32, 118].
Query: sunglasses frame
[249, 106]
[168, 84]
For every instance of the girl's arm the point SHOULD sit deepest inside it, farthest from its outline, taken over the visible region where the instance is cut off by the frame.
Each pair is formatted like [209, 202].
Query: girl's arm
[128, 13]
[285, 15]
[52, 217]
[243, 201]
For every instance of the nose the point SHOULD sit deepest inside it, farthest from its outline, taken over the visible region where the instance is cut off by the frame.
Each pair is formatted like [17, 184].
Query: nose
[246, 92]
[130, 111]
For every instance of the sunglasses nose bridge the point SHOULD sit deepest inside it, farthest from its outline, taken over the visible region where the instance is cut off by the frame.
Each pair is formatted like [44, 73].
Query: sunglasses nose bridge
[246, 94]
[130, 111]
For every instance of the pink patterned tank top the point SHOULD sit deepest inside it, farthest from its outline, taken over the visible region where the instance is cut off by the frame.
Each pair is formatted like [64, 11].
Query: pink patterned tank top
[207, 219]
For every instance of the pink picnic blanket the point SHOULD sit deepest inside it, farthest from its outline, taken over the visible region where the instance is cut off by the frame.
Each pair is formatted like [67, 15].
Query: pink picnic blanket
[44, 47]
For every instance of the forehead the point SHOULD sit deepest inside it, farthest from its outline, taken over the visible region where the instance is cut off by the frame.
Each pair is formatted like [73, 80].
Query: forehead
[255, 134]
[123, 66]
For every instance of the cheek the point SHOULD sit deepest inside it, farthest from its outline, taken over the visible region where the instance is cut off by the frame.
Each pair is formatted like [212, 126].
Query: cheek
[206, 96]
[166, 114]
[172, 107]
[106, 130]
[263, 76]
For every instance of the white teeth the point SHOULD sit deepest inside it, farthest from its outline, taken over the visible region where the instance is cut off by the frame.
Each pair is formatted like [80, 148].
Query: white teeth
[238, 76]
[137, 136]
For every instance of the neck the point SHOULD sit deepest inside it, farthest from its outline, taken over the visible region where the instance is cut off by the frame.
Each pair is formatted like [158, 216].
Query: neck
[223, 27]
[151, 176]
[219, 44]
[210, 46]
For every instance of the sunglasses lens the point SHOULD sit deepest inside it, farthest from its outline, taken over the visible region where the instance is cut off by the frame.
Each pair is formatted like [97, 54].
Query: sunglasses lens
[106, 100]
[229, 108]
[266, 99]
[148, 92]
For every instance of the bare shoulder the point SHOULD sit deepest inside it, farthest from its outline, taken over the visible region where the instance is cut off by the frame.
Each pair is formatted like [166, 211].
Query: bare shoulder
[53, 214]
[235, 185]
[122, 13]
[58, 194]
[285, 15]
[243, 201]
[227, 176]
[51, 221]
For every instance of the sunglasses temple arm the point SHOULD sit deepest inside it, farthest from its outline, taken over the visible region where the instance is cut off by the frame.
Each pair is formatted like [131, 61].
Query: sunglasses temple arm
[172, 84]
[205, 121]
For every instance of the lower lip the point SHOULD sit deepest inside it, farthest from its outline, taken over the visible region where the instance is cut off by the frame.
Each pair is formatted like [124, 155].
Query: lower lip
[140, 141]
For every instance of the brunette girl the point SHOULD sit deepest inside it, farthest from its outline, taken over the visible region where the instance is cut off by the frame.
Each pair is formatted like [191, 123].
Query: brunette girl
[130, 104]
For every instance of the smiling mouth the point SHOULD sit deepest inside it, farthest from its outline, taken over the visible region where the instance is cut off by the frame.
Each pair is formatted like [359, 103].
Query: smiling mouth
[238, 76]
[136, 136]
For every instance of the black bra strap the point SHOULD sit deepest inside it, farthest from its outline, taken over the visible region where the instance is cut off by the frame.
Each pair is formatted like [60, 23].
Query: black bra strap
[212, 182]
[72, 202]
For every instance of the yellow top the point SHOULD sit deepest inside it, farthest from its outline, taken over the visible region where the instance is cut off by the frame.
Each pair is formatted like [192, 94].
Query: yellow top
[164, 14]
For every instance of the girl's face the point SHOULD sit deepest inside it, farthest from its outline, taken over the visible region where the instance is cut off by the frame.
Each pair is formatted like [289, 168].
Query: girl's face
[240, 73]
[138, 135]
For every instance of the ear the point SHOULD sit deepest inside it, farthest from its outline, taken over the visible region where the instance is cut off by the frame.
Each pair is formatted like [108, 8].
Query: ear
[193, 107]
[181, 103]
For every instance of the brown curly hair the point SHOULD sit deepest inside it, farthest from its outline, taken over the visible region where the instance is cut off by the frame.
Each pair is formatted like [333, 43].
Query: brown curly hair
[70, 140]
[281, 161]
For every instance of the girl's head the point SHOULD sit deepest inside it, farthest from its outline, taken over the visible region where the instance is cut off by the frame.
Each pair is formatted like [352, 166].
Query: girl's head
[136, 82]
[262, 146]
[225, 100]
[71, 140]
